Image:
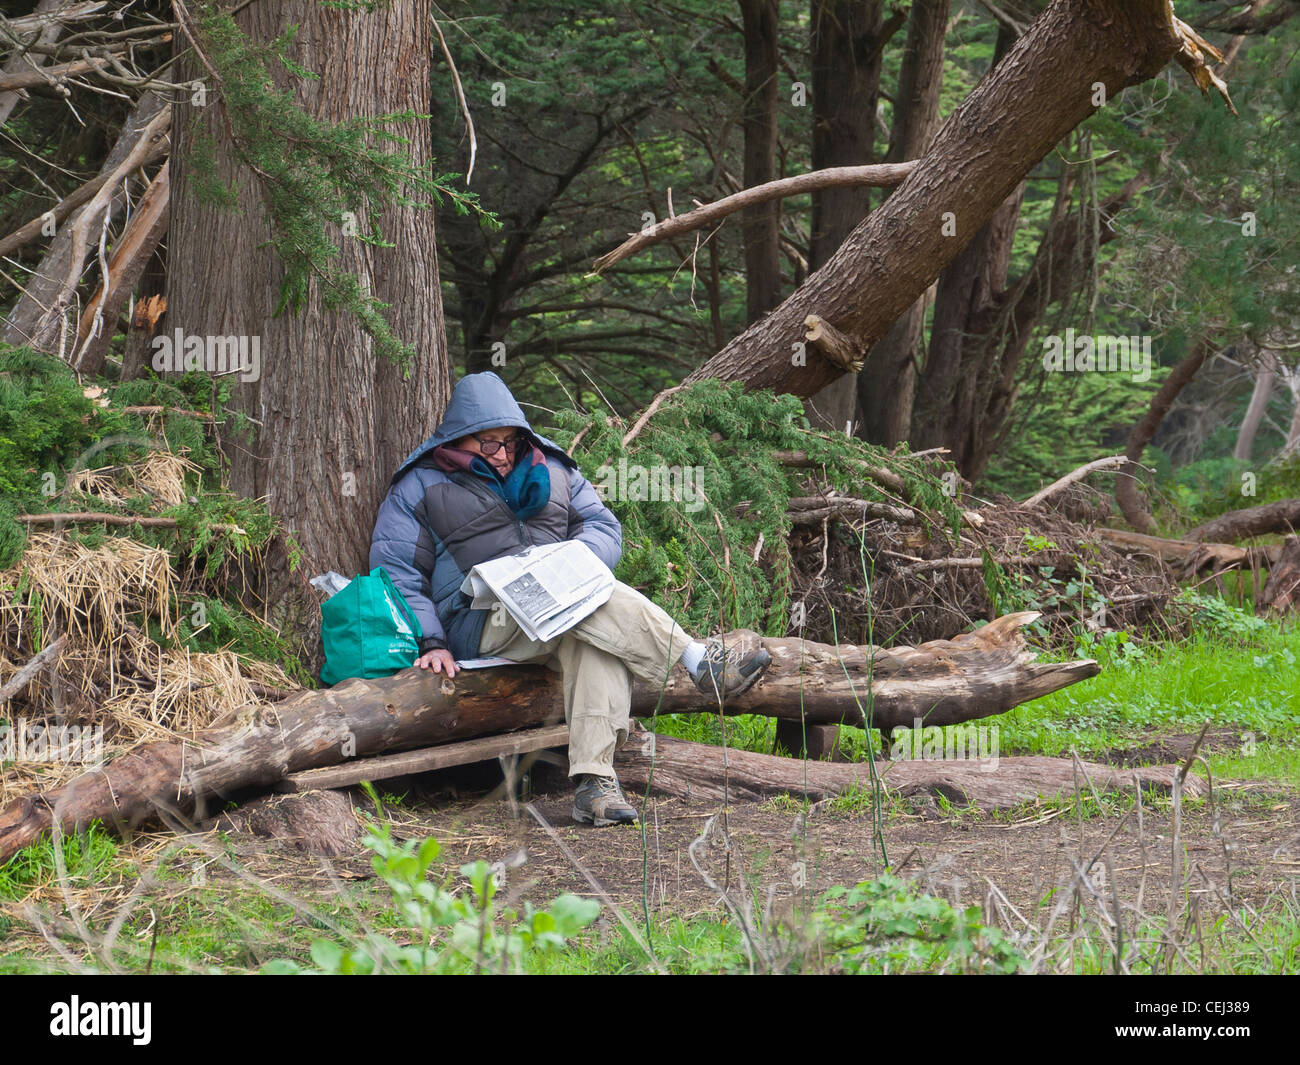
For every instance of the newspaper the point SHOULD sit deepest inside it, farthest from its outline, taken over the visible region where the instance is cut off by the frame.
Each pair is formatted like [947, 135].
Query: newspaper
[547, 589]
[486, 663]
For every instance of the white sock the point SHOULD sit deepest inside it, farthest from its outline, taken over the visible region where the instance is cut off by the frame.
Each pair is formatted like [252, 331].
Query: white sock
[693, 656]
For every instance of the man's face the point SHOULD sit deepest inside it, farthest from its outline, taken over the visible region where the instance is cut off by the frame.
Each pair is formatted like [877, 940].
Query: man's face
[504, 459]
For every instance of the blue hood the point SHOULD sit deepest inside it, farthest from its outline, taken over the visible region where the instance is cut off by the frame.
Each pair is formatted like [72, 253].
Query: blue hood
[479, 401]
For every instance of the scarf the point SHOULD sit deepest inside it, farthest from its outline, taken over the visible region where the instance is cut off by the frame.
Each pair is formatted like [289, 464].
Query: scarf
[526, 489]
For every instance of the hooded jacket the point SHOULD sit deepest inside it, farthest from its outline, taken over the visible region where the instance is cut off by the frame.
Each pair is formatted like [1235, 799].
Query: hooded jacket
[444, 514]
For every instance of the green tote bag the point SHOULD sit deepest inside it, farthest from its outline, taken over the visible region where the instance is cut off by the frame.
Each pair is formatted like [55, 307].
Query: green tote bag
[368, 630]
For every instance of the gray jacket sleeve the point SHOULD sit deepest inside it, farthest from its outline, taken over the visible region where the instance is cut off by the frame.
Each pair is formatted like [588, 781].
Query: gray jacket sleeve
[592, 522]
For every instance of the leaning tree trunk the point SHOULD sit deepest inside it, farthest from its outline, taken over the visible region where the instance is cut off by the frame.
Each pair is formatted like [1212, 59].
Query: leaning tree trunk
[45, 316]
[1265, 376]
[1263, 520]
[975, 675]
[331, 420]
[1013, 118]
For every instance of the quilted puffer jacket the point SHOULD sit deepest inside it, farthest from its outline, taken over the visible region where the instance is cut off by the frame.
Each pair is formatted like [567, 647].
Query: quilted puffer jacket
[435, 525]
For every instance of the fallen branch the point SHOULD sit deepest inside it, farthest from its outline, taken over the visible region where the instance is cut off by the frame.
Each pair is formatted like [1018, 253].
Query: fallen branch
[1110, 462]
[20, 680]
[143, 520]
[1192, 556]
[877, 175]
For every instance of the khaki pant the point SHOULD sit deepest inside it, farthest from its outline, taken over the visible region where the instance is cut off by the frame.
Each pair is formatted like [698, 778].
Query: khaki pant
[627, 635]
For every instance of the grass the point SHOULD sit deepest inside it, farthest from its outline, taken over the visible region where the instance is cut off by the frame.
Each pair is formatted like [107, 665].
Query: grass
[1253, 688]
[86, 858]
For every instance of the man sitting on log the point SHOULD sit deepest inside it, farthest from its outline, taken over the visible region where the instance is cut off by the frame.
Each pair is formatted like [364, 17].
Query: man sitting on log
[484, 485]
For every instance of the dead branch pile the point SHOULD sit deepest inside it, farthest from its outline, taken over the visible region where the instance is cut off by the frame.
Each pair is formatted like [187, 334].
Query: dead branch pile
[886, 580]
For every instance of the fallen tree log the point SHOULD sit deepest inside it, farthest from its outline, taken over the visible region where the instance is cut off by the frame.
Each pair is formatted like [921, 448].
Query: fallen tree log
[690, 770]
[943, 682]
[1193, 556]
[1280, 517]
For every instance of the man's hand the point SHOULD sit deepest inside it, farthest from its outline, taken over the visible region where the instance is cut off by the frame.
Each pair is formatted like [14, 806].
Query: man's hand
[439, 660]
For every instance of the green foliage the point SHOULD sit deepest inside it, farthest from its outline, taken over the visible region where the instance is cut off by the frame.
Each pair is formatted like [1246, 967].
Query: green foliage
[45, 420]
[885, 926]
[85, 856]
[1216, 620]
[313, 174]
[455, 932]
[216, 529]
[673, 549]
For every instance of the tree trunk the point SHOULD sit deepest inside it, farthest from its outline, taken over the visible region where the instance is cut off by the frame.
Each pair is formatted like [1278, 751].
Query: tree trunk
[1265, 376]
[1270, 518]
[761, 225]
[1281, 594]
[1127, 495]
[975, 675]
[887, 383]
[848, 39]
[332, 421]
[698, 771]
[1013, 118]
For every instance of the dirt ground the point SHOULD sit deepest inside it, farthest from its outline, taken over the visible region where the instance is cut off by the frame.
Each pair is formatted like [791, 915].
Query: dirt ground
[1239, 850]
[1242, 847]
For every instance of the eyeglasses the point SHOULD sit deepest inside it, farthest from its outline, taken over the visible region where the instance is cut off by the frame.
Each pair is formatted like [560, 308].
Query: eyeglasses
[491, 447]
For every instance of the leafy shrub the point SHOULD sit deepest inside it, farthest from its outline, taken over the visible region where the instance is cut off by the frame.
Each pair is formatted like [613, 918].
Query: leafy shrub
[884, 925]
[455, 932]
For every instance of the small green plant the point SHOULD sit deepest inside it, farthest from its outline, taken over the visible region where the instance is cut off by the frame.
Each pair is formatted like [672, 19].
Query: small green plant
[1216, 619]
[1034, 543]
[1116, 648]
[447, 932]
[885, 926]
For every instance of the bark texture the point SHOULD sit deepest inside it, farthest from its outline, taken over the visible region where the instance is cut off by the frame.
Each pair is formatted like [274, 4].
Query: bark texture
[761, 224]
[332, 420]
